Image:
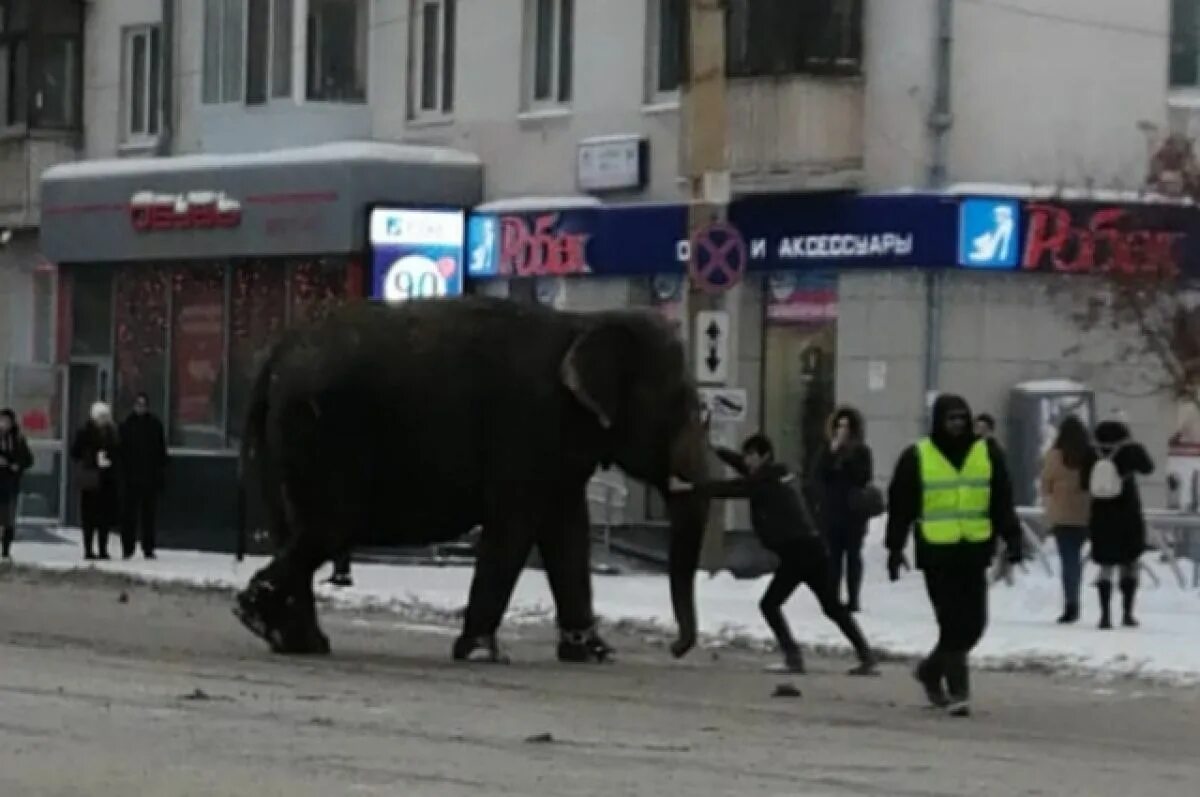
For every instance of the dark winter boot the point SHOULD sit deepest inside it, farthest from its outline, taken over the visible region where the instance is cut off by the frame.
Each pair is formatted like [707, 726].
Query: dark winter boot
[579, 647]
[958, 679]
[6, 543]
[932, 682]
[1128, 591]
[1070, 614]
[1104, 588]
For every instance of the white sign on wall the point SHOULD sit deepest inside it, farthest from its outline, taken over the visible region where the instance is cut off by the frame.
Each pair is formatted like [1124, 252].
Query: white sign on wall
[725, 404]
[876, 376]
[611, 163]
[712, 347]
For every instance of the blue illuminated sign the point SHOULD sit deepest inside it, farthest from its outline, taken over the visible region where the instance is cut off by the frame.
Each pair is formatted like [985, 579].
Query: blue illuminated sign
[988, 233]
[416, 254]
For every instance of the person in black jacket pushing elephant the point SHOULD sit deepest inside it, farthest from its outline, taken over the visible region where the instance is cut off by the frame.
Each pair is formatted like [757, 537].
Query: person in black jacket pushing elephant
[953, 487]
[784, 526]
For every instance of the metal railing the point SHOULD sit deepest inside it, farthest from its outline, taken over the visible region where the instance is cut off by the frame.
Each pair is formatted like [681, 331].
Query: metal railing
[1168, 531]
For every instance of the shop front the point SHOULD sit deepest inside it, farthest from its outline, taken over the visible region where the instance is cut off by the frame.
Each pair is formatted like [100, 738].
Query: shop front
[782, 294]
[178, 274]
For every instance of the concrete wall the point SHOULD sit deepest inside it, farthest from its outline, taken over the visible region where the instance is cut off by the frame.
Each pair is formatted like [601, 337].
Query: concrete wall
[1044, 91]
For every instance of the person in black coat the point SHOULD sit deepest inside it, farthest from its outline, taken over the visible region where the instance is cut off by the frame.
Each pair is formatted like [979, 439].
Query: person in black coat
[15, 459]
[844, 467]
[955, 573]
[784, 526]
[143, 466]
[96, 450]
[1117, 527]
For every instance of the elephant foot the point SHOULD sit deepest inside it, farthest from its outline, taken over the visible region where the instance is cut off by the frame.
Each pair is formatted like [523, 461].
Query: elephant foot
[283, 621]
[581, 647]
[466, 646]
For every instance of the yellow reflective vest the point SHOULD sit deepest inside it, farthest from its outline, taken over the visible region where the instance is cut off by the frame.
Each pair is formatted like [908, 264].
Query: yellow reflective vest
[955, 503]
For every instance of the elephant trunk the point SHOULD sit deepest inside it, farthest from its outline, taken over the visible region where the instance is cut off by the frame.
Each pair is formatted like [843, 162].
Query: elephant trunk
[689, 516]
[689, 519]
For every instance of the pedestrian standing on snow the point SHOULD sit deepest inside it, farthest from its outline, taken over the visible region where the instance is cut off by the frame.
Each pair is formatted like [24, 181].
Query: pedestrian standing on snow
[843, 470]
[1068, 505]
[144, 467]
[1118, 528]
[952, 489]
[784, 526]
[96, 450]
[15, 459]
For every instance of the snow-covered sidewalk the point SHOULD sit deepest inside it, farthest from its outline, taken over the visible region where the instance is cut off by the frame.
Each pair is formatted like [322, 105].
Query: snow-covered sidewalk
[897, 618]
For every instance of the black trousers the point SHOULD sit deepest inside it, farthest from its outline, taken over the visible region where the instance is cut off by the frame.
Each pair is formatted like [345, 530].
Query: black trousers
[341, 563]
[845, 546]
[806, 561]
[960, 603]
[98, 511]
[138, 520]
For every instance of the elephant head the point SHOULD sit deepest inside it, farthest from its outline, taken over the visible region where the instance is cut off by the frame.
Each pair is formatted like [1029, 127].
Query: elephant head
[628, 370]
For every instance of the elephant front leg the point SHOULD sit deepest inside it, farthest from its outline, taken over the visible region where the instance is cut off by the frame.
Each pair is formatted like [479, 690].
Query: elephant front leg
[502, 553]
[279, 606]
[566, 550]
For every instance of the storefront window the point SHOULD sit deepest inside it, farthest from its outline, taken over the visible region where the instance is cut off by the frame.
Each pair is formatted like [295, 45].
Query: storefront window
[256, 322]
[198, 356]
[141, 331]
[318, 287]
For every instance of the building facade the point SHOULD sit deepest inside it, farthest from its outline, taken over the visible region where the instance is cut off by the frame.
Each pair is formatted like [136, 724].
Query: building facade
[573, 110]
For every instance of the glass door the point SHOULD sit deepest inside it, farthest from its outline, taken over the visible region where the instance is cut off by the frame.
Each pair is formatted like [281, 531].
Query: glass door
[35, 394]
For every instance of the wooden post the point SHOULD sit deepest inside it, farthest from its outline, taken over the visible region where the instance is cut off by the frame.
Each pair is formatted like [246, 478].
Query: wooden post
[705, 164]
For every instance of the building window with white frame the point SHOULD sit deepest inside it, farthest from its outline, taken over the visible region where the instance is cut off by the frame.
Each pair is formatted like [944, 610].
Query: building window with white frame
[224, 51]
[337, 50]
[141, 83]
[1185, 44]
[666, 45]
[433, 26]
[550, 37]
[268, 50]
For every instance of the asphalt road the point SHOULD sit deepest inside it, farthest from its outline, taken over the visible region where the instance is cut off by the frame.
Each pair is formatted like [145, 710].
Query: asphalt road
[113, 690]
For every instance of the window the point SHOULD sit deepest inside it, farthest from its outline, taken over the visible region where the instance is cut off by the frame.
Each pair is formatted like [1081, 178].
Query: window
[140, 315]
[433, 27]
[780, 37]
[141, 80]
[40, 69]
[268, 50]
[91, 311]
[197, 411]
[257, 315]
[550, 34]
[224, 40]
[337, 50]
[1185, 44]
[667, 45]
[318, 287]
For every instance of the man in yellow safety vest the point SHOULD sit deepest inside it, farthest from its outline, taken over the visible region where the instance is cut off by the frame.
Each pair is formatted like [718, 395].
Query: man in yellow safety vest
[953, 488]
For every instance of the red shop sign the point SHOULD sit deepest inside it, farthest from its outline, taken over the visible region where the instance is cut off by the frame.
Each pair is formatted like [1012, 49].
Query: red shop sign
[541, 250]
[195, 210]
[1099, 240]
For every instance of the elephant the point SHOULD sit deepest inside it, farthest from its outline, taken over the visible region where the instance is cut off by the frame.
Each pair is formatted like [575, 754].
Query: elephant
[413, 423]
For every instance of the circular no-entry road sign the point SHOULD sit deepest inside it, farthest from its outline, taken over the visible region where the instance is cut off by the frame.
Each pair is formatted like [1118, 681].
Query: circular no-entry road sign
[718, 258]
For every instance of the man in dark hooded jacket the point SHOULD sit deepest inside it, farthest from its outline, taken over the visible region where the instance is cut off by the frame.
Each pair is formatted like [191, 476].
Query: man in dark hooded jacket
[785, 527]
[954, 489]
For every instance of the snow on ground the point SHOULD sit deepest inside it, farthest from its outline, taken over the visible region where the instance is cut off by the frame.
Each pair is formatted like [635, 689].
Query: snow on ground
[897, 617]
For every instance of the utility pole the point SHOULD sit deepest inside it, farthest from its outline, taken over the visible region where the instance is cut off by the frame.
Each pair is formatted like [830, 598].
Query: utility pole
[704, 155]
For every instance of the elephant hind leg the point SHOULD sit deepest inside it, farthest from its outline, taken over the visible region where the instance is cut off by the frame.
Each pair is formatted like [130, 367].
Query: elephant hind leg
[501, 555]
[566, 549]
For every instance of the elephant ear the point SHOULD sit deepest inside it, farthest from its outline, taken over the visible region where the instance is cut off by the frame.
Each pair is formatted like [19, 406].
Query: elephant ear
[595, 371]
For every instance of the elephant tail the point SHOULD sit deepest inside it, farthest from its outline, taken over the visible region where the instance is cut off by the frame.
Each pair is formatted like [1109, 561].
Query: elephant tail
[253, 452]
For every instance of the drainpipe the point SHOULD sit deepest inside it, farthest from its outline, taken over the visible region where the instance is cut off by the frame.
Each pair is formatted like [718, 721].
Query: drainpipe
[166, 133]
[940, 122]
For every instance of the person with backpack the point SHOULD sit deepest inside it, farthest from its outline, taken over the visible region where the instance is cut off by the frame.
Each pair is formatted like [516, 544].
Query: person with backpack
[1068, 505]
[1117, 525]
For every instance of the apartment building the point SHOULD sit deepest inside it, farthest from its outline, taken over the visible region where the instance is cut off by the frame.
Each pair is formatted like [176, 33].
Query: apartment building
[562, 117]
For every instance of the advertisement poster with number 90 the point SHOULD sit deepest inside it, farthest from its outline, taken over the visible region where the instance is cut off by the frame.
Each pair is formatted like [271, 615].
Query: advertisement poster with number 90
[416, 254]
